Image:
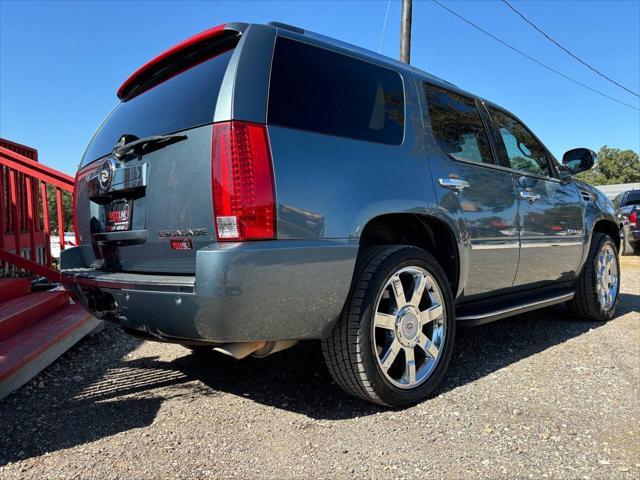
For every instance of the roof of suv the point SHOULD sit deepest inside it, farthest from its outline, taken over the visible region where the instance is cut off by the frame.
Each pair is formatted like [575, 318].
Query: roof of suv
[226, 29]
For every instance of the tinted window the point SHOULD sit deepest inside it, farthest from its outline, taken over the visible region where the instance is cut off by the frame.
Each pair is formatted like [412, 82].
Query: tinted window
[183, 101]
[616, 201]
[524, 152]
[322, 91]
[633, 198]
[457, 125]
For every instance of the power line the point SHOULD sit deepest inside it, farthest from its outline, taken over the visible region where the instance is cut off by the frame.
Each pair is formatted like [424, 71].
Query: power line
[384, 26]
[566, 50]
[533, 59]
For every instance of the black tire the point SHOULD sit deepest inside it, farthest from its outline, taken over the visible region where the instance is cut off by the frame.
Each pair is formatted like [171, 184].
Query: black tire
[350, 351]
[586, 304]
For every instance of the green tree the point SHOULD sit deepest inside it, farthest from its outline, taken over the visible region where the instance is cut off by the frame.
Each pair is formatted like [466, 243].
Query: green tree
[67, 209]
[614, 166]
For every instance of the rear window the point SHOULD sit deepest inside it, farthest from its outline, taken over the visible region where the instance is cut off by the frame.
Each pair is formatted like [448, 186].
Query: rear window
[322, 91]
[457, 125]
[183, 101]
[633, 198]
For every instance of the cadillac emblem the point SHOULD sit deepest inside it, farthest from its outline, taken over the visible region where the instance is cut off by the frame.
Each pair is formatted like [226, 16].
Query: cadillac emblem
[105, 175]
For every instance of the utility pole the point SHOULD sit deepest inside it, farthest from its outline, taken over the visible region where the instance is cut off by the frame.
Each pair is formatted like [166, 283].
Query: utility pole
[405, 32]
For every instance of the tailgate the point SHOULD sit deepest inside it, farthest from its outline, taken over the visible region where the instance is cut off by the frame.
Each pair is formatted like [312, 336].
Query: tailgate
[143, 193]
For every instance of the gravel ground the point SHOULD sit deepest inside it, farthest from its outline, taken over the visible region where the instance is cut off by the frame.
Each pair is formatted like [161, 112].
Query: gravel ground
[537, 396]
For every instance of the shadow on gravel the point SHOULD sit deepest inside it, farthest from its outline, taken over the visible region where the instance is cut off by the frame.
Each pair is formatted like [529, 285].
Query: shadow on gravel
[55, 415]
[296, 380]
[116, 395]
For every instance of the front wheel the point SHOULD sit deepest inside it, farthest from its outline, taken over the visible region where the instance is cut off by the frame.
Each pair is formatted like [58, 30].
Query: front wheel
[394, 339]
[598, 286]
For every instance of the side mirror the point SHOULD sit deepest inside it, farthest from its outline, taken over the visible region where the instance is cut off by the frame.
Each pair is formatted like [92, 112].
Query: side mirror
[579, 160]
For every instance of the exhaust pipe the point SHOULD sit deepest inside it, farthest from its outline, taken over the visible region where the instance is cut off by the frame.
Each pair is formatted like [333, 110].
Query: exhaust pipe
[273, 347]
[260, 349]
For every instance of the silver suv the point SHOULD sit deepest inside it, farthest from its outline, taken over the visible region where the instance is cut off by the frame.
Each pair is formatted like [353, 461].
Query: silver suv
[259, 185]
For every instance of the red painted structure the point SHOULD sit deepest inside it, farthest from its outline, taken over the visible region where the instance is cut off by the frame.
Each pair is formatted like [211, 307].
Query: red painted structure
[25, 229]
[36, 327]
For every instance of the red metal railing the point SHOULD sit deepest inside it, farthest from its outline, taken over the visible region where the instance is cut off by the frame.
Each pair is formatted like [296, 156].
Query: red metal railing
[25, 229]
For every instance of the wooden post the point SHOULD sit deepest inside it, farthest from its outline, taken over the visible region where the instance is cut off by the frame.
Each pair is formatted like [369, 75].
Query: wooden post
[405, 32]
[3, 206]
[60, 217]
[31, 224]
[45, 223]
[13, 189]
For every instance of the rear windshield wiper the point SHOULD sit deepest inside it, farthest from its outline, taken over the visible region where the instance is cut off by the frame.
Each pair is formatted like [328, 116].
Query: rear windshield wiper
[147, 144]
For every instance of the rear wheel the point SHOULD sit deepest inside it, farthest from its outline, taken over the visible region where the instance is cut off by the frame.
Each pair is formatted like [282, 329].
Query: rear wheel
[598, 286]
[394, 339]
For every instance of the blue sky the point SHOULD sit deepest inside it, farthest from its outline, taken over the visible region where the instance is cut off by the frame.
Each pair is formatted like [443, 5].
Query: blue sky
[62, 62]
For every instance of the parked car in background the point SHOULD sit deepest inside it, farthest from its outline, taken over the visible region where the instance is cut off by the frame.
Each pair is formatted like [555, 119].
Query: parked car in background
[627, 207]
[69, 240]
[258, 185]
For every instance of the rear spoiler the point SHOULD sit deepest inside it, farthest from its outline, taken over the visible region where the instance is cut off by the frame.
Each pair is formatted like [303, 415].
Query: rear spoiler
[190, 45]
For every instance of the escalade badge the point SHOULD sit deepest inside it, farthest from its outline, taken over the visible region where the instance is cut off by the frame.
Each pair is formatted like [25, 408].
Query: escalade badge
[105, 175]
[186, 232]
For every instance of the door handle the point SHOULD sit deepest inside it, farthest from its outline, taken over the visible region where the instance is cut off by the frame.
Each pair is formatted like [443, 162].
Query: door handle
[528, 195]
[454, 184]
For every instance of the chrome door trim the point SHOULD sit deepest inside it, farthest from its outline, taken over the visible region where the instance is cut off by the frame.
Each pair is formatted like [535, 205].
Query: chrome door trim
[494, 246]
[527, 195]
[454, 184]
[549, 244]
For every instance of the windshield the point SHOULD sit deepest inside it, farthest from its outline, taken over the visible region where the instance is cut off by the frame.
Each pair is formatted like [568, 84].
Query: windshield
[184, 101]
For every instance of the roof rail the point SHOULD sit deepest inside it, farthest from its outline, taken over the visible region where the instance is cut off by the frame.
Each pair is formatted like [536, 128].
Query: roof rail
[284, 26]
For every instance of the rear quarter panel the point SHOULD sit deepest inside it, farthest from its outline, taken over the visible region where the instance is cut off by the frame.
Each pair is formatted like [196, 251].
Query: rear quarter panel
[330, 187]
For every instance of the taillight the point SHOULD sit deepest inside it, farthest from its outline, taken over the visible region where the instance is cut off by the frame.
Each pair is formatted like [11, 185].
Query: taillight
[243, 191]
[74, 203]
[633, 218]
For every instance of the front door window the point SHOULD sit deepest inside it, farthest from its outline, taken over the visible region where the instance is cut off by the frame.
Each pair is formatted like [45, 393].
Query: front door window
[524, 152]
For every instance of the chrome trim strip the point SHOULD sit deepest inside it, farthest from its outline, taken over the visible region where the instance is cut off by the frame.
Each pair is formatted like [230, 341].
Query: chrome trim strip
[494, 246]
[530, 244]
[494, 166]
[507, 312]
[128, 281]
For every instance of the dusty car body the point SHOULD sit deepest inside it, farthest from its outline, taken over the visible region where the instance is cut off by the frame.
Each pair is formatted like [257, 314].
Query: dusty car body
[260, 184]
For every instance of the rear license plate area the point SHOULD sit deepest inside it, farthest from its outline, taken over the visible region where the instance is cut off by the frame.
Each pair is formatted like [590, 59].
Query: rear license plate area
[118, 215]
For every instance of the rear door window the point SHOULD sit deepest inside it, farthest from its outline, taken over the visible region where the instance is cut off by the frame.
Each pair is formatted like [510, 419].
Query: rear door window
[326, 92]
[183, 101]
[523, 151]
[457, 125]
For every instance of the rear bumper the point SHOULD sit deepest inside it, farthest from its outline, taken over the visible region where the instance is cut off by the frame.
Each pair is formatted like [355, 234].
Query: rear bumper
[276, 290]
[632, 235]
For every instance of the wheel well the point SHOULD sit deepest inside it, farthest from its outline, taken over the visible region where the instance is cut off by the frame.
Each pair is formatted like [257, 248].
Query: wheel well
[428, 233]
[610, 228]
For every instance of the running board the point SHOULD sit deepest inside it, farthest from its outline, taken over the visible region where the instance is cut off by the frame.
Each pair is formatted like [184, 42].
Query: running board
[482, 317]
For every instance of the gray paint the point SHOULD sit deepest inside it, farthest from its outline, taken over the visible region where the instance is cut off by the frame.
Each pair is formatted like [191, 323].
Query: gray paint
[327, 189]
[177, 196]
[271, 290]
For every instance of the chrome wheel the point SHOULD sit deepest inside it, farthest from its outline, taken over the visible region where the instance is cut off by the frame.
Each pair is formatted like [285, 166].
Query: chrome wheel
[607, 277]
[409, 327]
